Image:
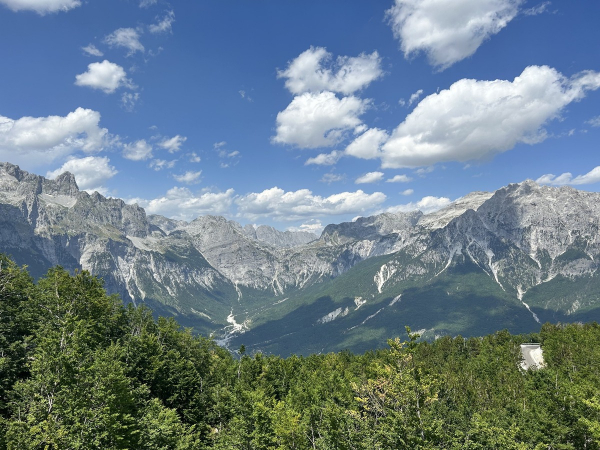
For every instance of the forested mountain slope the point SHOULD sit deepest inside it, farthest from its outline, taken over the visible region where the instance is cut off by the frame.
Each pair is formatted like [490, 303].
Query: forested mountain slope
[511, 259]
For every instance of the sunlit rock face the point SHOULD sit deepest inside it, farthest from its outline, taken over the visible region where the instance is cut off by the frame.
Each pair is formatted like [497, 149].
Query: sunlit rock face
[212, 271]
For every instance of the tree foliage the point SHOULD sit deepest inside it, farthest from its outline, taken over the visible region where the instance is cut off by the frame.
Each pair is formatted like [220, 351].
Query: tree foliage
[78, 370]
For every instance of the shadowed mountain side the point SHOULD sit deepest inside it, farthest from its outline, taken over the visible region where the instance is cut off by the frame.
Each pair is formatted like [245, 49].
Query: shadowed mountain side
[463, 301]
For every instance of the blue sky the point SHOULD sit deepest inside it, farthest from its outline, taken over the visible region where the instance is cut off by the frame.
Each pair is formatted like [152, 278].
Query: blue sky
[299, 114]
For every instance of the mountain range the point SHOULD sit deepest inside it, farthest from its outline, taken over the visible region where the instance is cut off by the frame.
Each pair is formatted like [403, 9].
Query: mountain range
[513, 258]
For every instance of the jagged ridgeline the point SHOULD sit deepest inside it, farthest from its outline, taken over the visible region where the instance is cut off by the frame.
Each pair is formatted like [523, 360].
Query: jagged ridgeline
[517, 257]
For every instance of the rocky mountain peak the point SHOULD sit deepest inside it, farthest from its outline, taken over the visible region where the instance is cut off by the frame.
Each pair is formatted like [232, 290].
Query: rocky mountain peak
[66, 185]
[372, 227]
[283, 239]
[441, 218]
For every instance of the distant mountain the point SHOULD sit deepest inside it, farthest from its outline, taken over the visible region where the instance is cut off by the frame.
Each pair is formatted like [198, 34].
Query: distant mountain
[509, 259]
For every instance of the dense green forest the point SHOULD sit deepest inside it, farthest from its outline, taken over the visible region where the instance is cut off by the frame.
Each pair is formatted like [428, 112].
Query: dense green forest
[79, 370]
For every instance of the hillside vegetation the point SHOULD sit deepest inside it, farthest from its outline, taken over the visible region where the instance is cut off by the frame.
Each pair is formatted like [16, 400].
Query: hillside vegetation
[79, 370]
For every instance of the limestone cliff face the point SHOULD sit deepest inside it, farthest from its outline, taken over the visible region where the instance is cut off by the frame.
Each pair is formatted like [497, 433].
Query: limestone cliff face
[522, 237]
[50, 222]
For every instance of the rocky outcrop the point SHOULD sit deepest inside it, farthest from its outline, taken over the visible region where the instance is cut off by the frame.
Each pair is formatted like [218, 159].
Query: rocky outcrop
[520, 237]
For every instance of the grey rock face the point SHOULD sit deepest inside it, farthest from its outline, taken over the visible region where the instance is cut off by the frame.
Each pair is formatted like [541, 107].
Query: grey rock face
[521, 237]
[282, 239]
[50, 222]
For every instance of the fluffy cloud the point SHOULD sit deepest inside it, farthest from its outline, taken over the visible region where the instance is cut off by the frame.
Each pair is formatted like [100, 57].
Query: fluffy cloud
[399, 179]
[34, 141]
[90, 172]
[172, 144]
[593, 176]
[318, 120]
[281, 205]
[426, 204]
[194, 157]
[128, 38]
[183, 204]
[41, 6]
[105, 76]
[137, 151]
[189, 177]
[371, 177]
[325, 159]
[448, 30]
[368, 144]
[312, 226]
[91, 50]
[164, 25]
[478, 119]
[314, 71]
[407, 192]
[316, 117]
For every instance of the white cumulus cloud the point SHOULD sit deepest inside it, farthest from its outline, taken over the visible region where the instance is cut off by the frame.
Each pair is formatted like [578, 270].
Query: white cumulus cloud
[477, 119]
[399, 179]
[41, 6]
[371, 177]
[137, 151]
[128, 38]
[311, 226]
[325, 159]
[183, 204]
[593, 176]
[90, 172]
[190, 177]
[368, 144]
[91, 50]
[315, 71]
[34, 141]
[448, 31]
[105, 75]
[194, 157]
[426, 204]
[281, 205]
[173, 144]
[318, 120]
[407, 192]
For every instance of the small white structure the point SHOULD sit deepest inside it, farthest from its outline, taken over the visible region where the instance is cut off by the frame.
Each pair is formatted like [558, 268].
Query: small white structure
[532, 357]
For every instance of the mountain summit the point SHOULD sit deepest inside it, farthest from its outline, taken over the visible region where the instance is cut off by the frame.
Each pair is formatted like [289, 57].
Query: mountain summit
[509, 259]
